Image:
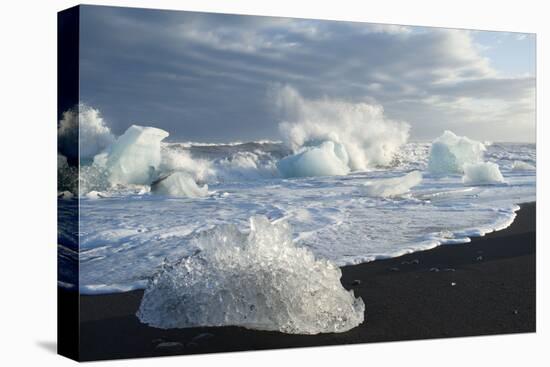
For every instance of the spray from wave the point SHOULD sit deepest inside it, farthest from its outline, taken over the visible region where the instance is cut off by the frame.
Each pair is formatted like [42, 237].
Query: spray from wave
[85, 125]
[367, 137]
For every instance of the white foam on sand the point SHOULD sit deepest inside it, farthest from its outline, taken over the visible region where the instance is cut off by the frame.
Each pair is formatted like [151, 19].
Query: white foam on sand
[258, 280]
[392, 187]
[486, 173]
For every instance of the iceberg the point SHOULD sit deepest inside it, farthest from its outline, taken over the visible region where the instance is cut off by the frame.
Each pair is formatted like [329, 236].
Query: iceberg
[257, 280]
[326, 159]
[450, 152]
[486, 173]
[134, 157]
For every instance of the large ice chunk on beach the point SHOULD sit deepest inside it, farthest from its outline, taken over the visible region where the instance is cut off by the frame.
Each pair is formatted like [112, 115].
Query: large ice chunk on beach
[394, 186]
[486, 173]
[326, 159]
[260, 280]
[134, 157]
[179, 184]
[450, 152]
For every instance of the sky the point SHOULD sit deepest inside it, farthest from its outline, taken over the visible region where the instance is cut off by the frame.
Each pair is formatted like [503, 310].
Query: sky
[211, 77]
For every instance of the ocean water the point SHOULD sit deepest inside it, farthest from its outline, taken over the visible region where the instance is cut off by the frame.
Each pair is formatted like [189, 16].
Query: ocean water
[127, 232]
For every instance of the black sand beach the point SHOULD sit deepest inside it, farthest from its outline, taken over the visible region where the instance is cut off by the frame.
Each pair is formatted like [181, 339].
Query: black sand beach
[481, 288]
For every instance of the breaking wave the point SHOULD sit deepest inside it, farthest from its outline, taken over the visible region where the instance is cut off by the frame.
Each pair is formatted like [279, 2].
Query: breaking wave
[95, 135]
[367, 137]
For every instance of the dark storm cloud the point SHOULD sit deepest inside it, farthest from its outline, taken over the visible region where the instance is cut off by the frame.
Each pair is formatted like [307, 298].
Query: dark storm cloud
[207, 76]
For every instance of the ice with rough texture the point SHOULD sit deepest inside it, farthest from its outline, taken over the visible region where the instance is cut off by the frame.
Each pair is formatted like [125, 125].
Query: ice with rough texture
[327, 159]
[522, 166]
[260, 280]
[392, 187]
[450, 152]
[179, 184]
[486, 173]
[85, 125]
[134, 157]
[368, 136]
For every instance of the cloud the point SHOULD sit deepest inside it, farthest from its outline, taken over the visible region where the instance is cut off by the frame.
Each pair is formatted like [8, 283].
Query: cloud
[206, 76]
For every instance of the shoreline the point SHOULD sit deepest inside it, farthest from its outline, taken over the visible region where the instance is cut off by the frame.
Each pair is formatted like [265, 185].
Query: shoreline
[483, 287]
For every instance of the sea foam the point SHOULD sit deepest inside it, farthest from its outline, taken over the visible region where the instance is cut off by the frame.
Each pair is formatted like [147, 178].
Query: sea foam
[85, 125]
[392, 187]
[260, 280]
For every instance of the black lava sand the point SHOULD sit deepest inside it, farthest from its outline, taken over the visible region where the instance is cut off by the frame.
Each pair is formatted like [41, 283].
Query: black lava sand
[481, 288]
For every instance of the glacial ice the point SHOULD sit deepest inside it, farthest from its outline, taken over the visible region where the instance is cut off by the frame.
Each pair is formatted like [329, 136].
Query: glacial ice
[327, 159]
[450, 152]
[134, 157]
[260, 280]
[179, 184]
[391, 187]
[485, 173]
[522, 166]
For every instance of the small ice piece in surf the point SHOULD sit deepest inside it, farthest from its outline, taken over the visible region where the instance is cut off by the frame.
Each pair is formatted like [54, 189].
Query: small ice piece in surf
[179, 184]
[486, 173]
[65, 195]
[96, 195]
[392, 187]
[258, 280]
[327, 159]
[449, 153]
[134, 157]
[522, 166]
